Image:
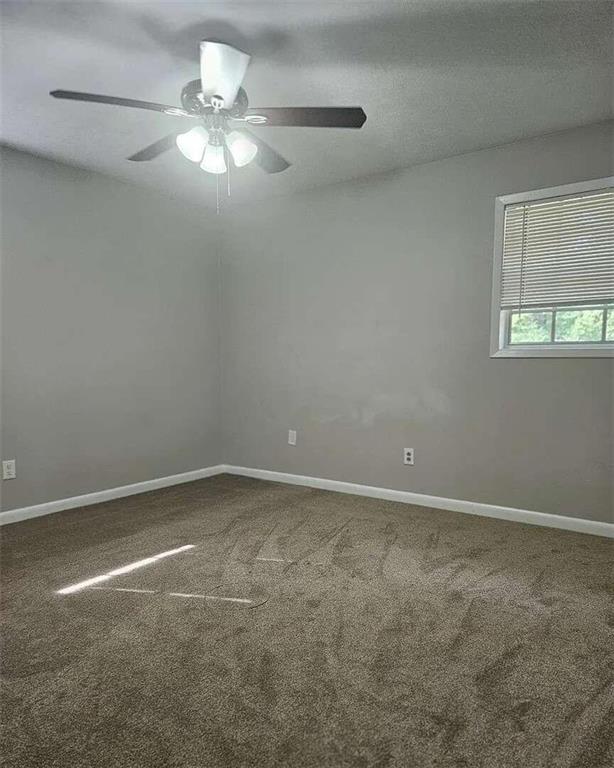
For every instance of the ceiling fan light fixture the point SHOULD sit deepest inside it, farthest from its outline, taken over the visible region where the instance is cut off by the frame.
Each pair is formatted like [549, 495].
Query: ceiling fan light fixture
[242, 148]
[192, 144]
[213, 160]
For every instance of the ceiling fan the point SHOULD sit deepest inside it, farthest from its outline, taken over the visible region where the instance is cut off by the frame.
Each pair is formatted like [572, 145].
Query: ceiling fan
[219, 105]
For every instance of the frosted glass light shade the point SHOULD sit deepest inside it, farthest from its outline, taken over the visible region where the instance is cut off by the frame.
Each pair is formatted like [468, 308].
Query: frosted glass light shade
[242, 148]
[192, 143]
[213, 161]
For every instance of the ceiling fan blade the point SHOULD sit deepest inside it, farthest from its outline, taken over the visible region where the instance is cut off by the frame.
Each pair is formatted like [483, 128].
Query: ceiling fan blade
[267, 158]
[120, 102]
[312, 117]
[222, 69]
[155, 149]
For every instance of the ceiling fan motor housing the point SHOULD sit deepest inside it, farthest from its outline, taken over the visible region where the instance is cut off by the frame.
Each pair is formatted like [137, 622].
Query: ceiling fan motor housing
[194, 102]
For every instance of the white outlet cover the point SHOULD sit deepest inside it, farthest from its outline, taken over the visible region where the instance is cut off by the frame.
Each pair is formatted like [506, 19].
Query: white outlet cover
[9, 471]
[408, 456]
[291, 437]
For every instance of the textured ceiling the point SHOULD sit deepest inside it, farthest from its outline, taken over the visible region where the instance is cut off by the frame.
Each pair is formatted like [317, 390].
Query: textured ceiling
[436, 78]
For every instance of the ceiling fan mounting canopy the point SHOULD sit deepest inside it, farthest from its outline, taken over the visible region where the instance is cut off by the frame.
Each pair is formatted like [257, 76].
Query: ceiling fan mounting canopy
[221, 105]
[222, 69]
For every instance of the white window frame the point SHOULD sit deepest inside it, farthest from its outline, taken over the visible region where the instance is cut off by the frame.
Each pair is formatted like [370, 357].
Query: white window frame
[499, 346]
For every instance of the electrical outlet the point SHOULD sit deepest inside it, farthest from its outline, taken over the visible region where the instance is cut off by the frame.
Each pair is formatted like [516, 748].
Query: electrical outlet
[9, 471]
[408, 456]
[292, 437]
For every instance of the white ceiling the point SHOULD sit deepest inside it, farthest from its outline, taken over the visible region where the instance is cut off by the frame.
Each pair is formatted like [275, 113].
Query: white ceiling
[435, 77]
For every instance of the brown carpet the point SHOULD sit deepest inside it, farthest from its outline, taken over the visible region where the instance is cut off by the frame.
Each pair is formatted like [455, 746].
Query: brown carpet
[378, 634]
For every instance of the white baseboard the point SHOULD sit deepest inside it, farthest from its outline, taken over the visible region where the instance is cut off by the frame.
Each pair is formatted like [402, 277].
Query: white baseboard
[579, 525]
[24, 513]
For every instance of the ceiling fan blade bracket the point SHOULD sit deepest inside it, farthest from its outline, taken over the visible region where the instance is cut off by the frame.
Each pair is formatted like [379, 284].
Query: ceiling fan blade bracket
[253, 119]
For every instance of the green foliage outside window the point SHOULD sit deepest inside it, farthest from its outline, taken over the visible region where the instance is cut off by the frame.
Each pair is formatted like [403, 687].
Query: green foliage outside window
[531, 327]
[571, 324]
[579, 325]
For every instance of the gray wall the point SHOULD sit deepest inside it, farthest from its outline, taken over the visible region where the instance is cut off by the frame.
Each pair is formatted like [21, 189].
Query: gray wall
[358, 314]
[110, 313]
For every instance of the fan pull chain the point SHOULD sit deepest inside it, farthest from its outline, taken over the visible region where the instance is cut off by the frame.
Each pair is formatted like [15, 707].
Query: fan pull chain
[217, 194]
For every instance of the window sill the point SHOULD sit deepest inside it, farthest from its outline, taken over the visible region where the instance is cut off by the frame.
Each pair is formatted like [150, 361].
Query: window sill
[547, 350]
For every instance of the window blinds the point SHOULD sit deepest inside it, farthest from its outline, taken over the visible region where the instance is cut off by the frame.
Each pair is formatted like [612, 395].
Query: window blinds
[559, 251]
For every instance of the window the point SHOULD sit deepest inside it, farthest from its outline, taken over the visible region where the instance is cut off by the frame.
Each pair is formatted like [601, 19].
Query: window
[553, 279]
